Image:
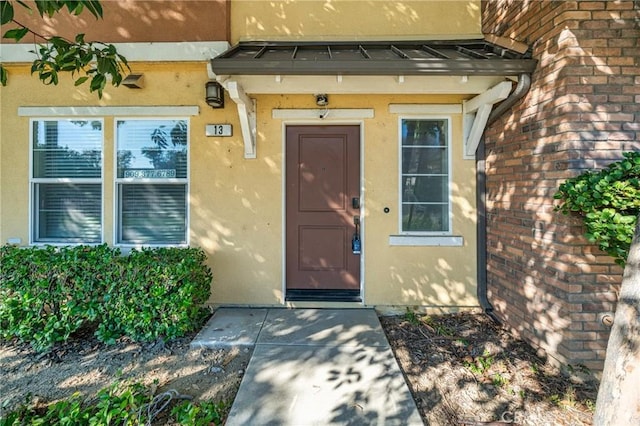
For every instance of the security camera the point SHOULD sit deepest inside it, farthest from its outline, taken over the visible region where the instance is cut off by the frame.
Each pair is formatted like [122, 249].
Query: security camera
[322, 100]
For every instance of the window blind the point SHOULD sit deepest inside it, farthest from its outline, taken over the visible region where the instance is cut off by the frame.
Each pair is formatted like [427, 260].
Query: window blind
[67, 181]
[68, 212]
[153, 213]
[67, 149]
[151, 178]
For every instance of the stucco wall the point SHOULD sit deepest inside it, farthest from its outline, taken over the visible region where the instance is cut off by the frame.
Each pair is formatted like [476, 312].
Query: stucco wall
[165, 84]
[354, 19]
[236, 205]
[393, 275]
[414, 275]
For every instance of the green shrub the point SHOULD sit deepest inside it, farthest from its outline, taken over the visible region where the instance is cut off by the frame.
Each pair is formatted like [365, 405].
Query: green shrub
[48, 293]
[120, 406]
[160, 294]
[608, 202]
[199, 414]
[122, 403]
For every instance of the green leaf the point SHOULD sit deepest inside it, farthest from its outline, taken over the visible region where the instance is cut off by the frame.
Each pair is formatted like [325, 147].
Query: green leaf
[6, 12]
[47, 7]
[608, 201]
[103, 65]
[3, 75]
[95, 7]
[85, 57]
[23, 4]
[97, 84]
[77, 7]
[59, 42]
[16, 33]
[80, 81]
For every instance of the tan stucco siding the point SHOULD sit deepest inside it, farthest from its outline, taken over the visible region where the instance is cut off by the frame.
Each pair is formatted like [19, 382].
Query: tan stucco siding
[166, 84]
[353, 19]
[244, 226]
[236, 204]
[398, 275]
[236, 212]
[14, 154]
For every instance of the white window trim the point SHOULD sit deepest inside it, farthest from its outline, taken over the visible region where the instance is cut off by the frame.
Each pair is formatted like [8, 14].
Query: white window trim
[147, 112]
[449, 121]
[323, 114]
[426, 240]
[142, 51]
[117, 181]
[33, 181]
[425, 109]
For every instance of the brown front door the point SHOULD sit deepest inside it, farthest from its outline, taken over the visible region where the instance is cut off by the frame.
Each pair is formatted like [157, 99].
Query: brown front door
[322, 200]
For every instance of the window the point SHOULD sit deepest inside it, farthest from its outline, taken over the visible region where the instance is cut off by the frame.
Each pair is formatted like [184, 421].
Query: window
[66, 181]
[151, 181]
[424, 183]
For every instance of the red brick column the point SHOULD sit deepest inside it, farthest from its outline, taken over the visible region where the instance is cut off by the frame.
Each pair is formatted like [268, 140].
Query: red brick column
[544, 279]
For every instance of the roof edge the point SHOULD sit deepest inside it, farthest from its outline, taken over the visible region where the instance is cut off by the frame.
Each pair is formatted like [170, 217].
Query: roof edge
[401, 57]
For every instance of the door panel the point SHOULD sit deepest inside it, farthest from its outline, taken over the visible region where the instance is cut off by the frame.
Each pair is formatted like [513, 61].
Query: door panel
[321, 248]
[323, 176]
[322, 180]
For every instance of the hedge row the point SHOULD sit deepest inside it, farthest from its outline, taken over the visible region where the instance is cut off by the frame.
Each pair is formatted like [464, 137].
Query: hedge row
[46, 294]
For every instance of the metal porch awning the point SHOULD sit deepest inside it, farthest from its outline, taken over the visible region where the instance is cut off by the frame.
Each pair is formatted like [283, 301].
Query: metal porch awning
[436, 57]
[469, 67]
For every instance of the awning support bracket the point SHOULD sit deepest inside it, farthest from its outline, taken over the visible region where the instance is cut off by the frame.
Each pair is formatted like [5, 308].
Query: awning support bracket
[476, 113]
[247, 114]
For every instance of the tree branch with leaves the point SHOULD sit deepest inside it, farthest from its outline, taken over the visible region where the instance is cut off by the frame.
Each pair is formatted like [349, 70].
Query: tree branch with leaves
[93, 61]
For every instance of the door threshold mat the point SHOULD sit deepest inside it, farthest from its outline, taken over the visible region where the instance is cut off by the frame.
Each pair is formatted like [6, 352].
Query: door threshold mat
[323, 296]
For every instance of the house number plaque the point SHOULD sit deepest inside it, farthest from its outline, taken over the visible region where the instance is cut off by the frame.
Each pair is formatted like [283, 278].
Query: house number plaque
[218, 130]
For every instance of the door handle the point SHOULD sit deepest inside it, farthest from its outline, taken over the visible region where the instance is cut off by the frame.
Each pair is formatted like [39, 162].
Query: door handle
[356, 244]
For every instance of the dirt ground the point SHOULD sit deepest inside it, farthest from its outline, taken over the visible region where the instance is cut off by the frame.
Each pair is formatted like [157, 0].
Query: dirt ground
[465, 370]
[462, 369]
[85, 365]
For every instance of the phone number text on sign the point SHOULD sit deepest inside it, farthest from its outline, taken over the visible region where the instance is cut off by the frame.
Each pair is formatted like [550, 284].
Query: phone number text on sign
[150, 174]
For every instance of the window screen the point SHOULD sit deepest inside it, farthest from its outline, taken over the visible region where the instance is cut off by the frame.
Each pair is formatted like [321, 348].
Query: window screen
[66, 181]
[425, 176]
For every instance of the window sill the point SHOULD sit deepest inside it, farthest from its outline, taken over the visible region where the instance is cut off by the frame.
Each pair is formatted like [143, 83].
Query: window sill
[127, 247]
[426, 240]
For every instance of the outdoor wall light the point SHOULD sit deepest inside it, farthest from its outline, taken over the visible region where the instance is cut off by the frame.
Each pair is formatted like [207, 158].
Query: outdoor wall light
[322, 100]
[134, 81]
[214, 94]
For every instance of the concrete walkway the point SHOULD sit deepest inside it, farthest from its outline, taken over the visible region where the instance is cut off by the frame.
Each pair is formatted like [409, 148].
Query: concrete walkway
[313, 367]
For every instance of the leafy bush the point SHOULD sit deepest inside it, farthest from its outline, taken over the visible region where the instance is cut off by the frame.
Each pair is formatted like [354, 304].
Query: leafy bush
[48, 293]
[608, 202]
[119, 404]
[162, 295]
[200, 414]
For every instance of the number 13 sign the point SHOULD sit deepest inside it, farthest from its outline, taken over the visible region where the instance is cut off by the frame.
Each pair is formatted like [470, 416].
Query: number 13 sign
[218, 130]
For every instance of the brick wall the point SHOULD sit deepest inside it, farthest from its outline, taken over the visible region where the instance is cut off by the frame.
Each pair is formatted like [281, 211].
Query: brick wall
[582, 111]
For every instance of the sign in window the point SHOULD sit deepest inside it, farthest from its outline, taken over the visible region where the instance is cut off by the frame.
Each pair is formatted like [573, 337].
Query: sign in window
[151, 180]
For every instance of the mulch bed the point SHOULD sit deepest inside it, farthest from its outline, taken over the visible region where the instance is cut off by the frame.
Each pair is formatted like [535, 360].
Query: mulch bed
[464, 369]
